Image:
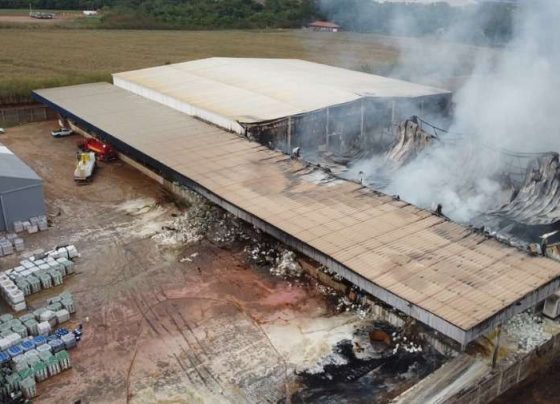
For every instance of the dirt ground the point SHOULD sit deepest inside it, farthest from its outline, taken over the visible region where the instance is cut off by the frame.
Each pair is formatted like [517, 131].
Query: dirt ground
[24, 18]
[209, 329]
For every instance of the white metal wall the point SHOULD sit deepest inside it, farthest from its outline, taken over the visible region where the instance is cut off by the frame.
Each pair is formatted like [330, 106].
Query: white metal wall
[221, 121]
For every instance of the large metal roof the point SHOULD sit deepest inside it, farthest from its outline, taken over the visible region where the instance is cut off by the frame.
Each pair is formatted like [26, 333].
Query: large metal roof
[455, 280]
[256, 90]
[14, 173]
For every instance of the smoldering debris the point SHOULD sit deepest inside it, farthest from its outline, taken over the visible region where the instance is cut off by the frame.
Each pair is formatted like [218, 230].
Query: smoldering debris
[360, 369]
[504, 112]
[202, 220]
[536, 201]
[515, 197]
[286, 265]
[532, 214]
[410, 141]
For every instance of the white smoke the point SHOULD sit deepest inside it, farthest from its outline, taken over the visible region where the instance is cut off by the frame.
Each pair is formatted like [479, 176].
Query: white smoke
[511, 101]
[515, 105]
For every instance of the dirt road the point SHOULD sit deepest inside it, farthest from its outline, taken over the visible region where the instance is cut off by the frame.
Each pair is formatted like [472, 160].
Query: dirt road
[24, 18]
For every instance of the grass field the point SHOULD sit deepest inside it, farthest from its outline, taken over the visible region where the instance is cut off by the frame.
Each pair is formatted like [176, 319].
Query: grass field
[34, 57]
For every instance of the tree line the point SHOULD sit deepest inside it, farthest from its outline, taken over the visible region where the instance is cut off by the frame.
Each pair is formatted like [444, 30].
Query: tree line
[58, 4]
[208, 14]
[483, 23]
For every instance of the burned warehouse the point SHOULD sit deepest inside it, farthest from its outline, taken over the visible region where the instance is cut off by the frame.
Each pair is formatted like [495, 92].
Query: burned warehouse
[176, 121]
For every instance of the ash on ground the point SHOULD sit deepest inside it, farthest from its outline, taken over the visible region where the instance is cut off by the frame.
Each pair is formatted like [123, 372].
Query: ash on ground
[280, 262]
[370, 359]
[202, 220]
[527, 331]
[368, 367]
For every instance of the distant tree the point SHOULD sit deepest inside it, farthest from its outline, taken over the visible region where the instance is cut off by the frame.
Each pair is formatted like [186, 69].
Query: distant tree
[487, 22]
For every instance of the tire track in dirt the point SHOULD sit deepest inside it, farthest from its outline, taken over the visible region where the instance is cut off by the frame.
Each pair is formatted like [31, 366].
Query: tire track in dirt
[197, 362]
[146, 303]
[188, 331]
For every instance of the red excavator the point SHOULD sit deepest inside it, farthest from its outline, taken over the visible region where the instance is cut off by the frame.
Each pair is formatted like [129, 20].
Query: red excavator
[103, 151]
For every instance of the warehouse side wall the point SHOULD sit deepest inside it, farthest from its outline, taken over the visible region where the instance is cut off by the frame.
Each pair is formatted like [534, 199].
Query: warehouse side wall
[365, 124]
[21, 204]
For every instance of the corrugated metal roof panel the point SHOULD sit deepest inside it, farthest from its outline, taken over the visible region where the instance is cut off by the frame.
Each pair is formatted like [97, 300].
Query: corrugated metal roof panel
[256, 90]
[440, 267]
[14, 173]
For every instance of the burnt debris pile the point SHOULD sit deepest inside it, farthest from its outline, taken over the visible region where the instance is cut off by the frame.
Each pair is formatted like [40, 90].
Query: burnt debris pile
[521, 206]
[410, 141]
[511, 195]
[533, 213]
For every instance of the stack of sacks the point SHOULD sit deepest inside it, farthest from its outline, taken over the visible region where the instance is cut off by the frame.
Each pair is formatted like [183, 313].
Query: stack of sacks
[12, 294]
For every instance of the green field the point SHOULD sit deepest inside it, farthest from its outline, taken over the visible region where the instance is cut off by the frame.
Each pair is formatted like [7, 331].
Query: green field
[46, 56]
[37, 57]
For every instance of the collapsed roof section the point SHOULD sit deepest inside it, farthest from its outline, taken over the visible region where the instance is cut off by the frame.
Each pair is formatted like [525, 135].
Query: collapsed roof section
[229, 92]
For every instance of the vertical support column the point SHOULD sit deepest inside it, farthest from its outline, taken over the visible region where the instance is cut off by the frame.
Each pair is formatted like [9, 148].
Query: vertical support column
[289, 139]
[500, 378]
[32, 114]
[327, 129]
[3, 115]
[497, 347]
[518, 372]
[362, 121]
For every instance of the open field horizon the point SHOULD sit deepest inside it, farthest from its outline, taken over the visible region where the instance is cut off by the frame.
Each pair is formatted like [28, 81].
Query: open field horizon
[47, 56]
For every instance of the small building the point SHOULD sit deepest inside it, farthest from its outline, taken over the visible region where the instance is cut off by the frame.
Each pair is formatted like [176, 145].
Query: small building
[21, 191]
[324, 26]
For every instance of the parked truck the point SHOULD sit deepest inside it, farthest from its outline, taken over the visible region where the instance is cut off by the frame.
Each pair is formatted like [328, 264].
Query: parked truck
[103, 151]
[85, 167]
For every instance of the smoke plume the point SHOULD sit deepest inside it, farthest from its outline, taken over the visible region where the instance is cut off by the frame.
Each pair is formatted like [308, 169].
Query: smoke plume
[510, 101]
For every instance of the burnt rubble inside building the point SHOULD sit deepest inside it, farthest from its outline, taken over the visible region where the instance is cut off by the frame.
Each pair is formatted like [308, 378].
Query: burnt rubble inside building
[531, 214]
[523, 210]
[343, 131]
